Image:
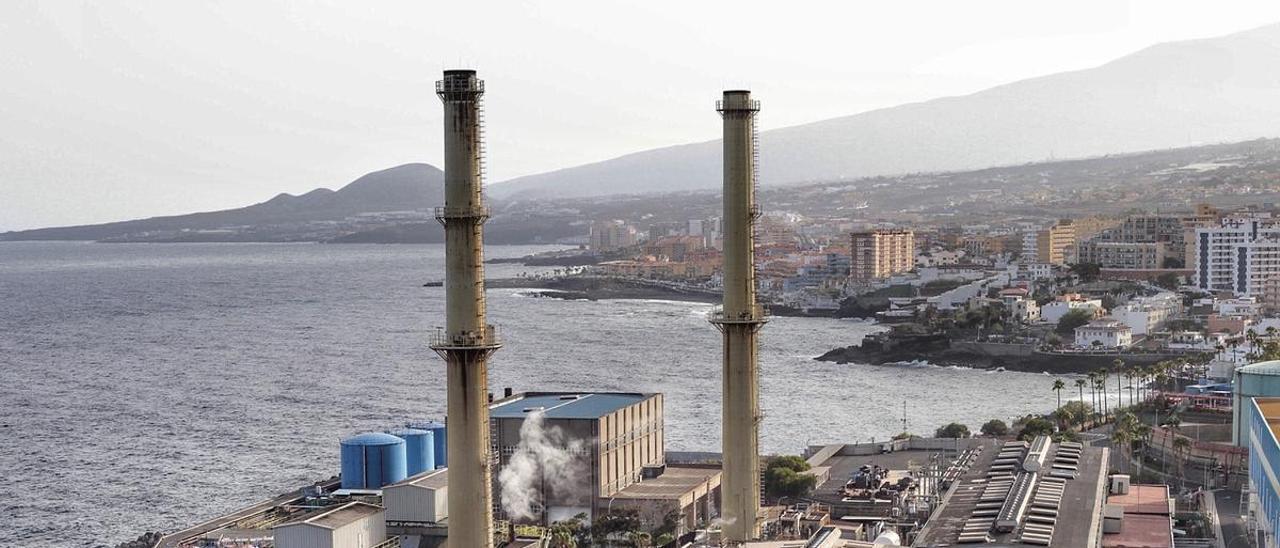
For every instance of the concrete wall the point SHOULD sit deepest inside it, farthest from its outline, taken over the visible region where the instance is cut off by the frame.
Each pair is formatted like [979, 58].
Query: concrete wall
[994, 349]
[924, 444]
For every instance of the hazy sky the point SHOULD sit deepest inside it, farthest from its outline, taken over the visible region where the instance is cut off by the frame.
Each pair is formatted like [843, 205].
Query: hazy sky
[118, 110]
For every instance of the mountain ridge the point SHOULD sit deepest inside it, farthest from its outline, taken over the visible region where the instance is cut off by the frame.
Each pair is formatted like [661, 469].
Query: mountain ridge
[1168, 95]
[407, 187]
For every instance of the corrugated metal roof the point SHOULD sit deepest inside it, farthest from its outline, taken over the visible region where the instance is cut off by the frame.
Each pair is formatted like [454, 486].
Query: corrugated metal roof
[567, 405]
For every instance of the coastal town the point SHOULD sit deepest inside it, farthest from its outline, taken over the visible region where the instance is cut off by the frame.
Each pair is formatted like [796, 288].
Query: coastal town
[1201, 285]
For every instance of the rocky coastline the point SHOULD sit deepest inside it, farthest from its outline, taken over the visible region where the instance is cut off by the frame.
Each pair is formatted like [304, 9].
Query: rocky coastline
[941, 350]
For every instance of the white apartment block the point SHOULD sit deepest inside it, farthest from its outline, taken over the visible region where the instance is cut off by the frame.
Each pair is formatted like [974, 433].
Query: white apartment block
[1241, 256]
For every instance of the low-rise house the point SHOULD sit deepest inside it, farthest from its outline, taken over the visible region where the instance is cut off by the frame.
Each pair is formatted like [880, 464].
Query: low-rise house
[1105, 333]
[1147, 314]
[1053, 311]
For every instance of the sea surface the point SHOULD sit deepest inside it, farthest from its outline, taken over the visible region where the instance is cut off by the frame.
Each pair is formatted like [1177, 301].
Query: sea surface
[151, 386]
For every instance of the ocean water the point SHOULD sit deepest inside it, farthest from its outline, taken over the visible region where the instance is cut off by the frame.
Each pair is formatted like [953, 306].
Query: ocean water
[148, 387]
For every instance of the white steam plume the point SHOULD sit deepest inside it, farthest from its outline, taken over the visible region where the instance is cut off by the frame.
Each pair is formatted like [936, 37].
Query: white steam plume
[544, 463]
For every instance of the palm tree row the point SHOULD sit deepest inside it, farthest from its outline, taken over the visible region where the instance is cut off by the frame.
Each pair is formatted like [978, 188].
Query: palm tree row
[1140, 381]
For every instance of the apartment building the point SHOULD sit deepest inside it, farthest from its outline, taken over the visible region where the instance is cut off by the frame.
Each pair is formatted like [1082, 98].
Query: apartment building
[1240, 255]
[877, 254]
[1056, 244]
[611, 235]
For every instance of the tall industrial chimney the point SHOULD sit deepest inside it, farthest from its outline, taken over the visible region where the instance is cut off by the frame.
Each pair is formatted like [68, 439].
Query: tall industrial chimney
[740, 320]
[467, 341]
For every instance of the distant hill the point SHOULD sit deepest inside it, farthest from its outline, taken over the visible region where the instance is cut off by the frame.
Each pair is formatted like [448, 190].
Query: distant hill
[1169, 95]
[410, 187]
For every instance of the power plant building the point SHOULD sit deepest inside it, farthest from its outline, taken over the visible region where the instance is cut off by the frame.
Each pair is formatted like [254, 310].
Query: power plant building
[352, 525]
[878, 254]
[611, 440]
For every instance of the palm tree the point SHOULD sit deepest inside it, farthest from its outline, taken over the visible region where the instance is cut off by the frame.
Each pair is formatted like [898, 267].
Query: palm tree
[1058, 385]
[1182, 448]
[1119, 365]
[1174, 425]
[1093, 391]
[1102, 390]
[1080, 386]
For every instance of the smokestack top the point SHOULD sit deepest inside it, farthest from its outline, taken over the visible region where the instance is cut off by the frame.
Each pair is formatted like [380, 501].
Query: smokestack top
[459, 84]
[737, 100]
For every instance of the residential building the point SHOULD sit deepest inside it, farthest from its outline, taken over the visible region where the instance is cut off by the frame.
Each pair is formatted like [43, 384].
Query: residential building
[674, 248]
[1088, 227]
[1105, 333]
[1125, 255]
[1021, 308]
[1053, 311]
[1056, 244]
[1146, 314]
[939, 257]
[1240, 255]
[877, 254]
[611, 235]
[1029, 246]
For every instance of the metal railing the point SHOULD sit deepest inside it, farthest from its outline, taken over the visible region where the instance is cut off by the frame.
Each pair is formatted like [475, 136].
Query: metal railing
[756, 314]
[722, 105]
[484, 338]
[446, 213]
[393, 542]
[457, 85]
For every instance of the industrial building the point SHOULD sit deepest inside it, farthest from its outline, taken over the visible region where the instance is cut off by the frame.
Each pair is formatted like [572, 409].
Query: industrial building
[879, 254]
[417, 509]
[1258, 380]
[1264, 468]
[1137, 516]
[1036, 493]
[610, 439]
[352, 525]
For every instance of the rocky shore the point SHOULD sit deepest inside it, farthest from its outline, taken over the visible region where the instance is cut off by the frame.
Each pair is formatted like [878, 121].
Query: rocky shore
[939, 349]
[606, 287]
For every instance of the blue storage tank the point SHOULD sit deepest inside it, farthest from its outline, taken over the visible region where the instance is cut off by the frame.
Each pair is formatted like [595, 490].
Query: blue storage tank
[440, 441]
[419, 448]
[372, 460]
